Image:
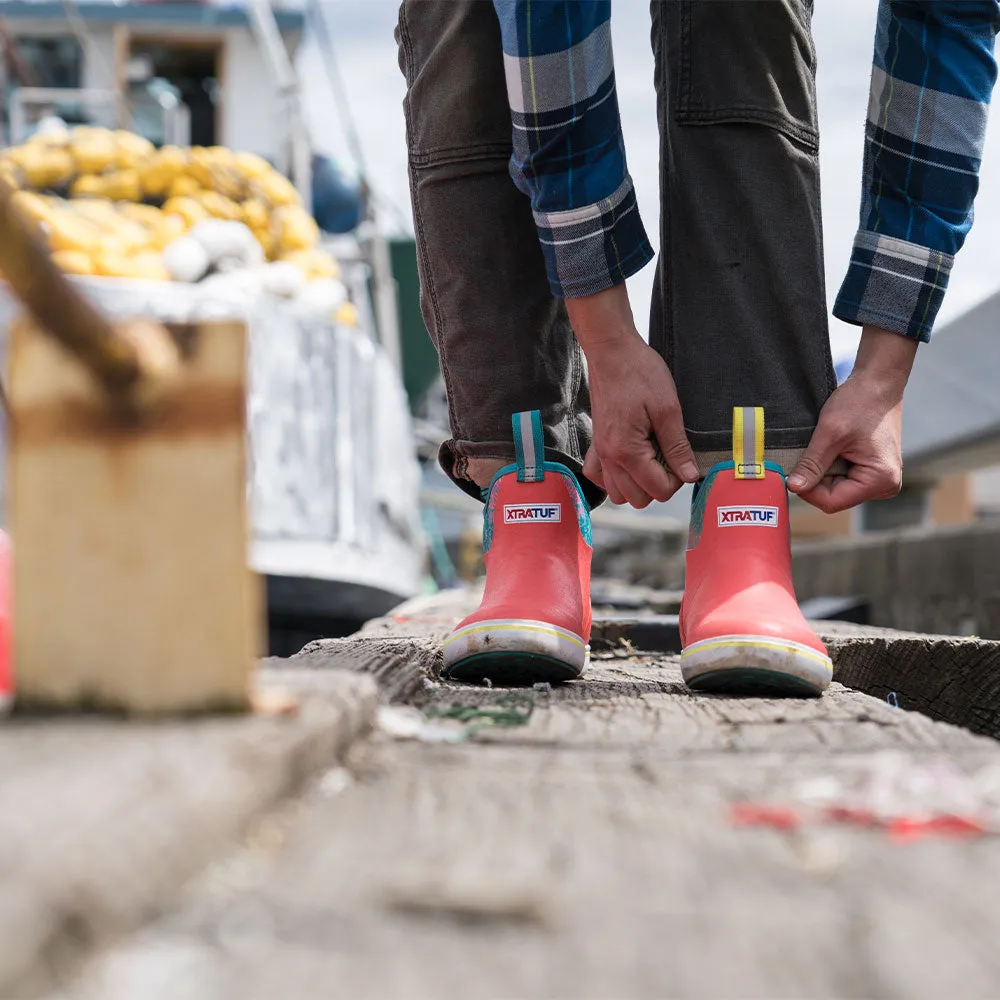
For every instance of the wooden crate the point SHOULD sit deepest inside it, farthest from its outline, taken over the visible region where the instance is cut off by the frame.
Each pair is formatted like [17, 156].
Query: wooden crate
[132, 590]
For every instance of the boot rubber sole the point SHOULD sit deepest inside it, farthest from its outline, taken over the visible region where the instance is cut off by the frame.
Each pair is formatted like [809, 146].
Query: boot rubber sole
[756, 666]
[514, 652]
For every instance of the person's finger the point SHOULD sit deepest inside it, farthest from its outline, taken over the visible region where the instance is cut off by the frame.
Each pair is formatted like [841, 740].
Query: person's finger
[675, 449]
[649, 475]
[822, 452]
[615, 495]
[819, 495]
[634, 493]
[592, 467]
[653, 476]
[836, 493]
[841, 493]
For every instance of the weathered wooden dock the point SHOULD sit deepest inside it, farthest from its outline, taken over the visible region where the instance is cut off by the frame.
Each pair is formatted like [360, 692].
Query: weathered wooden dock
[630, 840]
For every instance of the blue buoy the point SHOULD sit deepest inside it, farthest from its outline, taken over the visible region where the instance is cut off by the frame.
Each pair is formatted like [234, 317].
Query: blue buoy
[338, 204]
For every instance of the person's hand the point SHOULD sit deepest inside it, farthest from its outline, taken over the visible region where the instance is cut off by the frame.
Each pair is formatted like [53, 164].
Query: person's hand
[861, 422]
[634, 402]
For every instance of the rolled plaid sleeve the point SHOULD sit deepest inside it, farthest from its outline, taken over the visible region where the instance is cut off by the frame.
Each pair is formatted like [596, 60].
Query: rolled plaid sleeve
[933, 74]
[568, 150]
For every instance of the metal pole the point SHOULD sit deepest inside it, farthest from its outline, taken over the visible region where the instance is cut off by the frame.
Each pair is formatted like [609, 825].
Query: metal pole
[266, 29]
[377, 247]
[386, 301]
[321, 30]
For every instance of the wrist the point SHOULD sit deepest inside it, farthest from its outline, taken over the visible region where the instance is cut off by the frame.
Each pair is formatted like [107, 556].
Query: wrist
[885, 359]
[602, 322]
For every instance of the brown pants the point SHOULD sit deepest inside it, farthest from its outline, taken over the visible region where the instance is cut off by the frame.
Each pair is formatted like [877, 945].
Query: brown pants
[739, 304]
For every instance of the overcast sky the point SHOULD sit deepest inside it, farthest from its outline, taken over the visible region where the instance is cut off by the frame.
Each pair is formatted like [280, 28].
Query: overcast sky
[843, 29]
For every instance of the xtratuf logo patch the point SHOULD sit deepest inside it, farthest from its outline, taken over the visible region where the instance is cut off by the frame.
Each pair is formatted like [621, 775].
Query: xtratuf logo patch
[732, 517]
[532, 513]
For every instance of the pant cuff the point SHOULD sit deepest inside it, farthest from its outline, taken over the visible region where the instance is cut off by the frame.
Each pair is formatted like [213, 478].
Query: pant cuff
[454, 456]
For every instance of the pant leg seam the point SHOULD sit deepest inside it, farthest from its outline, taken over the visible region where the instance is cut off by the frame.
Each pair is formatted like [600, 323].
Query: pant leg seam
[435, 306]
[440, 155]
[749, 114]
[412, 156]
[573, 397]
[404, 35]
[684, 63]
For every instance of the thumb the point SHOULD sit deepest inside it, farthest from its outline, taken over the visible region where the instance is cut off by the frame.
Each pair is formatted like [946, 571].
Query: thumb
[822, 452]
[671, 445]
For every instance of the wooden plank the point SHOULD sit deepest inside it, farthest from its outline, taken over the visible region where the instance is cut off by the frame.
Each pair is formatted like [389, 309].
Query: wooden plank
[400, 664]
[589, 854]
[952, 678]
[131, 585]
[104, 820]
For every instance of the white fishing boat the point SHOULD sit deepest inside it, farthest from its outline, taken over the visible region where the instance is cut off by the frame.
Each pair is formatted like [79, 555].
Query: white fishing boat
[334, 477]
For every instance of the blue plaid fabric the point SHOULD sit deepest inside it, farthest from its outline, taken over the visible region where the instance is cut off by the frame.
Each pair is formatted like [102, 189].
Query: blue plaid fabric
[932, 78]
[569, 156]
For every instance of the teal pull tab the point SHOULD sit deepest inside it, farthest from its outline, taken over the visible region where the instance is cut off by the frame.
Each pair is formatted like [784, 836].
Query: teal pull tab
[529, 446]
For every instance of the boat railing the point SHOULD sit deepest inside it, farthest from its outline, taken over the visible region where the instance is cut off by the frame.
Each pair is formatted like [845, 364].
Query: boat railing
[29, 104]
[109, 107]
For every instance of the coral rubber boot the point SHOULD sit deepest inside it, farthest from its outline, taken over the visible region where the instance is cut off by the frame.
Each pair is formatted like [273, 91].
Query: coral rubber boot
[534, 621]
[742, 632]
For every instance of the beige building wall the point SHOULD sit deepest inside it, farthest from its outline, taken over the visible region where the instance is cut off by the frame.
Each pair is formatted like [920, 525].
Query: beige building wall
[808, 523]
[952, 502]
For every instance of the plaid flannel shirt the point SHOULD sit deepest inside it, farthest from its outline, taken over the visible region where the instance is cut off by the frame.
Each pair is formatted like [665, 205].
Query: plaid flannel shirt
[569, 155]
[932, 78]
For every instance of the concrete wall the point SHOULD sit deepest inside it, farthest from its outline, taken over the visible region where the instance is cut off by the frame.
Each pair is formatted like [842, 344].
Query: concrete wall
[651, 559]
[944, 580]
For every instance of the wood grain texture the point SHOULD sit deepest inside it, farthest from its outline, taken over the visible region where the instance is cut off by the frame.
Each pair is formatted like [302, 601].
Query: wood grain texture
[104, 820]
[400, 664]
[952, 678]
[131, 585]
[589, 854]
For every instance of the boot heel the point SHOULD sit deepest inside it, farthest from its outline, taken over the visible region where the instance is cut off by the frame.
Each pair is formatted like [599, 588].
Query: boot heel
[756, 665]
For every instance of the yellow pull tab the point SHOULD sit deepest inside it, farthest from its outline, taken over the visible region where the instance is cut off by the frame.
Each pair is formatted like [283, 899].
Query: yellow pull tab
[748, 442]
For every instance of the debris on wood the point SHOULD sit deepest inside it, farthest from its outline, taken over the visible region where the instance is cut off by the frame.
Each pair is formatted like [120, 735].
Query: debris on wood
[471, 904]
[271, 701]
[753, 814]
[905, 798]
[407, 723]
[454, 723]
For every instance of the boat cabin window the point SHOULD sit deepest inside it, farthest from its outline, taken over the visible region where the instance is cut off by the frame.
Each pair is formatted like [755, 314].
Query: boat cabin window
[193, 70]
[52, 62]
